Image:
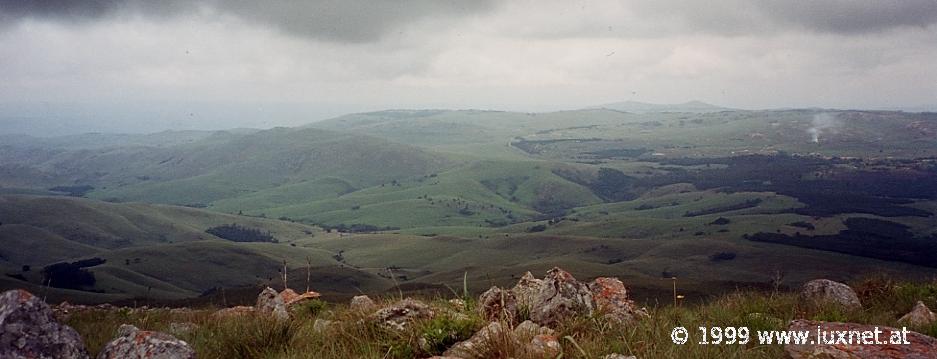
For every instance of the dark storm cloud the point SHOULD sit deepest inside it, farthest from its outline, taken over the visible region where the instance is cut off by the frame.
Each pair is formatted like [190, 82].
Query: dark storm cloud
[335, 20]
[733, 17]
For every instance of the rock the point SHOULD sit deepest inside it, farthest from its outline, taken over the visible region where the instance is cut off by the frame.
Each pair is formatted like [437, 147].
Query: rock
[525, 290]
[321, 325]
[921, 346]
[497, 304]
[181, 328]
[544, 346]
[28, 329]
[919, 316]
[235, 311]
[270, 302]
[618, 356]
[481, 344]
[362, 302]
[291, 298]
[400, 314]
[527, 330]
[611, 298]
[561, 296]
[827, 291]
[132, 343]
[457, 304]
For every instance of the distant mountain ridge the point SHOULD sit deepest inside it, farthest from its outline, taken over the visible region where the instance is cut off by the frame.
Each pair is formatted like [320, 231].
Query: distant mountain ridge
[644, 107]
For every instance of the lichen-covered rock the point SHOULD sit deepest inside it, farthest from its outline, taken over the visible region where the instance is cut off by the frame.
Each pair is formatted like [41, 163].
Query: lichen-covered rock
[611, 298]
[28, 329]
[825, 291]
[525, 290]
[398, 315]
[481, 344]
[362, 302]
[291, 298]
[528, 330]
[497, 304]
[132, 343]
[921, 346]
[561, 296]
[919, 316]
[270, 302]
[544, 346]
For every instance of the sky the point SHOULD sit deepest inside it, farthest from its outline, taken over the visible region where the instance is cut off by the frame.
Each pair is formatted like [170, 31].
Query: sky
[142, 66]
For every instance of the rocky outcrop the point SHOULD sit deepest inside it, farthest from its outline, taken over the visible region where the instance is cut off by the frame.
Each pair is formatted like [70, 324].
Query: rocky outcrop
[28, 329]
[543, 346]
[291, 298]
[400, 314]
[561, 296]
[482, 343]
[921, 346]
[270, 302]
[919, 316]
[497, 304]
[362, 302]
[525, 290]
[611, 299]
[533, 340]
[132, 343]
[825, 291]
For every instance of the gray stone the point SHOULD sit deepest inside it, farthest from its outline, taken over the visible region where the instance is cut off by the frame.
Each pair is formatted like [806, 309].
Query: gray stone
[825, 291]
[28, 329]
[132, 343]
[560, 297]
[270, 302]
[362, 302]
[919, 316]
[497, 304]
[400, 314]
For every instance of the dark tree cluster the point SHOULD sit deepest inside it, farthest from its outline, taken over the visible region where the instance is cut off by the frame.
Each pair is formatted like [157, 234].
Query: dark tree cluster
[236, 233]
[71, 275]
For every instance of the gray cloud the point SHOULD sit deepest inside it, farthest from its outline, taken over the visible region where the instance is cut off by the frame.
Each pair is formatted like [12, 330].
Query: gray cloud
[734, 17]
[334, 20]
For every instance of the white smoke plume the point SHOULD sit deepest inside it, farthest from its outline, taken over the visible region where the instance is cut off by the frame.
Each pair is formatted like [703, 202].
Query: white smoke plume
[823, 123]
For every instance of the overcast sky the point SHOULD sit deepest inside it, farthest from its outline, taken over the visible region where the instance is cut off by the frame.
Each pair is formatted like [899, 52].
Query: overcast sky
[148, 65]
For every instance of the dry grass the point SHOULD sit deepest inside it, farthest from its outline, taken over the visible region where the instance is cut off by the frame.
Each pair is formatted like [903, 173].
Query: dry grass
[355, 336]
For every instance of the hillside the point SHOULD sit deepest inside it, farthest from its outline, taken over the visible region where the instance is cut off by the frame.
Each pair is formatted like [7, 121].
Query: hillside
[643, 107]
[152, 251]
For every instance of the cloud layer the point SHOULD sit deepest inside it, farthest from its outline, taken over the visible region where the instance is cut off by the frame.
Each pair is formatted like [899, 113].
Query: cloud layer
[517, 54]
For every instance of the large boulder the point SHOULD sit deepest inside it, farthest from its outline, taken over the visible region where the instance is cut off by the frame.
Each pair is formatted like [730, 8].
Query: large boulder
[561, 296]
[270, 302]
[497, 304]
[132, 343]
[362, 302]
[611, 298]
[919, 316]
[28, 329]
[291, 298]
[825, 291]
[400, 314]
[921, 346]
[526, 290]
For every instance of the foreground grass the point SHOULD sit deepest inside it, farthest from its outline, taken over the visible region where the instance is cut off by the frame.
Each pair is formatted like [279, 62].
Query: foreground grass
[355, 336]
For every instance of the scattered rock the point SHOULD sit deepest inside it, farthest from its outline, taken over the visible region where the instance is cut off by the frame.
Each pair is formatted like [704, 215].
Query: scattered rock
[497, 304]
[270, 302]
[528, 330]
[611, 298]
[362, 302]
[28, 329]
[561, 296]
[183, 328]
[458, 304]
[525, 290]
[397, 316]
[921, 346]
[321, 325]
[291, 298]
[919, 316]
[827, 291]
[544, 346]
[132, 343]
[234, 311]
[480, 345]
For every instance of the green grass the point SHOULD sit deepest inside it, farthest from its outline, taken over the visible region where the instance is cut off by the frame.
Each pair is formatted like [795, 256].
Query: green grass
[355, 334]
